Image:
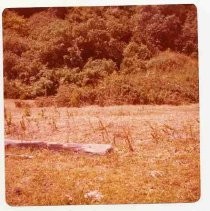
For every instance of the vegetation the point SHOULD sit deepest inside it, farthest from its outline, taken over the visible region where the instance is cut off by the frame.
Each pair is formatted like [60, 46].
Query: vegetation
[113, 59]
[155, 157]
[101, 55]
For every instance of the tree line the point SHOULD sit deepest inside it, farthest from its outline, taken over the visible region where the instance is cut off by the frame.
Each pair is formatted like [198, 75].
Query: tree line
[102, 55]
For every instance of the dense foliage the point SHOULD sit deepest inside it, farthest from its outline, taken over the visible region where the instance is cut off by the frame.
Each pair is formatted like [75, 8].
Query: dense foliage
[102, 55]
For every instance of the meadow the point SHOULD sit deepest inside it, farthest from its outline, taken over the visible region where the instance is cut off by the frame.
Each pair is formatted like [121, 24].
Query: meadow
[155, 157]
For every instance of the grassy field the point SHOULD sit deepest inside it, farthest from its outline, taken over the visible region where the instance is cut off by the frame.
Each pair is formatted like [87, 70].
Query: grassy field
[155, 157]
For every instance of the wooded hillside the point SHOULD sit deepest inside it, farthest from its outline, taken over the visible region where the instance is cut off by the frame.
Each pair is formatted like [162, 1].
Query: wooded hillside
[102, 55]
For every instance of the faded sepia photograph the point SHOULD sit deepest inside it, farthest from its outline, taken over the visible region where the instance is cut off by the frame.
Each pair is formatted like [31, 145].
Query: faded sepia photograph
[101, 105]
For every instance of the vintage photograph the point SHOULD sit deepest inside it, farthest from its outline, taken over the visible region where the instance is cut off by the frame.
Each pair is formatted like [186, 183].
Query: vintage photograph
[101, 105]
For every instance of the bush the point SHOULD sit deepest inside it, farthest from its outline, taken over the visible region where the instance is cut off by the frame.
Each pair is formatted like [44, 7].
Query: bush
[22, 104]
[117, 90]
[134, 58]
[68, 95]
[96, 70]
[45, 101]
[168, 61]
[15, 89]
[133, 65]
[10, 60]
[134, 50]
[11, 90]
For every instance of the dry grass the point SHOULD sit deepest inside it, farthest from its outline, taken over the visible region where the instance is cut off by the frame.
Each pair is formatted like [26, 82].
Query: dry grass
[156, 156]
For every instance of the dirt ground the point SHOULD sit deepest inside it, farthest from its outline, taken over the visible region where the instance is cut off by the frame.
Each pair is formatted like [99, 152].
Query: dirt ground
[155, 157]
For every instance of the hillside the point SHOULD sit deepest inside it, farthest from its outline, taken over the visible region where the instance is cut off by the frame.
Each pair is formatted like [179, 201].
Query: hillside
[102, 55]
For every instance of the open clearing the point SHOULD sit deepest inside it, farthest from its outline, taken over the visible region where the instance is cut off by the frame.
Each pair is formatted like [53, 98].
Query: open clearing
[164, 166]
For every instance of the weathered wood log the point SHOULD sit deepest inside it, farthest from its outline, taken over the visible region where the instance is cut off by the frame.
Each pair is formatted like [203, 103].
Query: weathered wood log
[19, 143]
[99, 149]
[20, 156]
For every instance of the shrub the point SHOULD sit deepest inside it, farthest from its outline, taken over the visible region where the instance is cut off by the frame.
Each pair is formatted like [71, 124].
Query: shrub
[96, 70]
[45, 101]
[168, 61]
[135, 50]
[68, 95]
[133, 65]
[22, 104]
[117, 89]
[10, 60]
[43, 87]
[10, 89]
[14, 22]
[134, 58]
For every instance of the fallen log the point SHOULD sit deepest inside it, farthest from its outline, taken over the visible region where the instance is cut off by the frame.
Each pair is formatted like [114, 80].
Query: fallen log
[20, 156]
[19, 143]
[98, 149]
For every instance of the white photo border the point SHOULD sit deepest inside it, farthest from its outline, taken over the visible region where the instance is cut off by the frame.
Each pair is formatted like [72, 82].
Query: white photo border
[204, 85]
